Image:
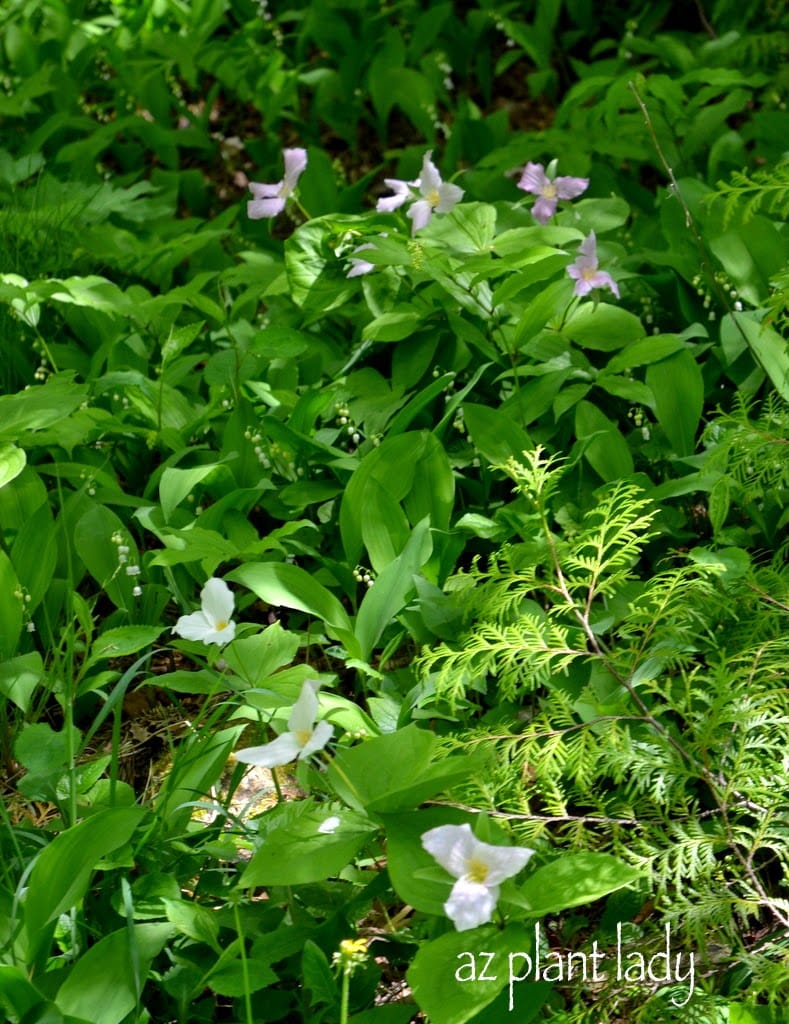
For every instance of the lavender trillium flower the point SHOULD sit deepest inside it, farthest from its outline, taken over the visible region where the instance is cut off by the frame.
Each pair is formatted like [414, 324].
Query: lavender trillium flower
[269, 200]
[549, 188]
[585, 270]
[479, 868]
[360, 266]
[437, 196]
[213, 624]
[305, 736]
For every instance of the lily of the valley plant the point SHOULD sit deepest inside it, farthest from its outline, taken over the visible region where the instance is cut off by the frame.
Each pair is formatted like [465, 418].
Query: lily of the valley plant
[429, 194]
[305, 736]
[479, 868]
[213, 624]
[269, 200]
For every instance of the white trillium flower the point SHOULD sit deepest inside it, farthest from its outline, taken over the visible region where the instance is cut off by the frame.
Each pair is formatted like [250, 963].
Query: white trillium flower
[438, 196]
[305, 736]
[213, 624]
[329, 826]
[479, 868]
[269, 200]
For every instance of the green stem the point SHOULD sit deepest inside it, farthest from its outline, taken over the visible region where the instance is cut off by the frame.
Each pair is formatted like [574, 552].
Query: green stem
[346, 986]
[244, 967]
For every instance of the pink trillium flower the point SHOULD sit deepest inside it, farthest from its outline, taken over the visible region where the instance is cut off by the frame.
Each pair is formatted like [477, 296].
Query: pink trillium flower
[479, 868]
[550, 189]
[585, 273]
[305, 736]
[269, 200]
[438, 196]
[213, 624]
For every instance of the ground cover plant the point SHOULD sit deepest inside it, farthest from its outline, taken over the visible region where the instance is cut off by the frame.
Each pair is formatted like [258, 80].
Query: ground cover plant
[393, 474]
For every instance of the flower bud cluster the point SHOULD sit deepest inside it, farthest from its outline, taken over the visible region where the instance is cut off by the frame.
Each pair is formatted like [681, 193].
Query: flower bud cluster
[362, 575]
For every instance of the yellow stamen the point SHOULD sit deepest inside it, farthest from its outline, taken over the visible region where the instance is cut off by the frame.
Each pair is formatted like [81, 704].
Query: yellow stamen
[477, 870]
[303, 736]
[433, 197]
[549, 190]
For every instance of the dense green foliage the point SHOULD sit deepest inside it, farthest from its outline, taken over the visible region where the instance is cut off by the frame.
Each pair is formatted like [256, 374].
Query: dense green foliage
[510, 484]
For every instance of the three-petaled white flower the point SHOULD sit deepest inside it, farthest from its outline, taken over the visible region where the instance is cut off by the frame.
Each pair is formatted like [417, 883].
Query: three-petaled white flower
[213, 624]
[549, 189]
[479, 869]
[305, 736]
[269, 200]
[437, 196]
[585, 273]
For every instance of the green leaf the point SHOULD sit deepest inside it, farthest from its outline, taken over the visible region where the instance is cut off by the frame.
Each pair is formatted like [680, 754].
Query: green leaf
[317, 974]
[124, 640]
[397, 771]
[391, 590]
[60, 877]
[40, 406]
[644, 351]
[294, 851]
[12, 461]
[441, 974]
[574, 880]
[495, 435]
[767, 346]
[412, 870]
[289, 586]
[105, 984]
[93, 535]
[392, 326]
[19, 678]
[606, 451]
[177, 484]
[257, 657]
[18, 995]
[602, 327]
[11, 616]
[678, 387]
[194, 921]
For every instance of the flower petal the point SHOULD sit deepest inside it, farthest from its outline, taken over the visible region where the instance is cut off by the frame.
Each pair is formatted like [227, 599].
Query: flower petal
[449, 196]
[570, 188]
[217, 600]
[419, 214]
[604, 280]
[259, 208]
[295, 163]
[589, 246]
[451, 846]
[470, 904]
[321, 735]
[429, 179]
[502, 861]
[543, 209]
[282, 750]
[261, 191]
[193, 627]
[533, 179]
[305, 710]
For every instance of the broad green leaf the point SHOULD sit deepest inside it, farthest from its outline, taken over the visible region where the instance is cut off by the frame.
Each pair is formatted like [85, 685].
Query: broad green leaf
[257, 657]
[644, 351]
[289, 586]
[194, 921]
[177, 484]
[390, 591]
[18, 995]
[678, 387]
[93, 540]
[441, 974]
[40, 406]
[392, 326]
[303, 843]
[602, 326]
[34, 554]
[495, 435]
[11, 602]
[573, 880]
[122, 641]
[60, 877]
[12, 462]
[606, 451]
[105, 984]
[19, 678]
[768, 347]
[397, 771]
